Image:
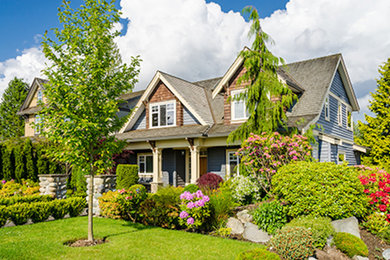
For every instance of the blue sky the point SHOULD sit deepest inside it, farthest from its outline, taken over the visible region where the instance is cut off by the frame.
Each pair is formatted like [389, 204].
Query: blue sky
[24, 21]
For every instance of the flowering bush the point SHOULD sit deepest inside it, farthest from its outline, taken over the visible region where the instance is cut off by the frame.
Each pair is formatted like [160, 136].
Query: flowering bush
[376, 184]
[209, 181]
[263, 155]
[376, 223]
[245, 190]
[195, 209]
[12, 188]
[130, 200]
[109, 207]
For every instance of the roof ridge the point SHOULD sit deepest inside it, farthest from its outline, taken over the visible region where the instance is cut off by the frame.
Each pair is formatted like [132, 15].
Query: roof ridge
[318, 58]
[207, 79]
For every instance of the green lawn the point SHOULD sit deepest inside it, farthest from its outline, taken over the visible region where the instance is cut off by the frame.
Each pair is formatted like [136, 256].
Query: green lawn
[126, 241]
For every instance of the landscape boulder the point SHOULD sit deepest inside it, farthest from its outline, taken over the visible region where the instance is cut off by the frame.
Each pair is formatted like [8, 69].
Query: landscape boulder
[347, 225]
[235, 225]
[254, 234]
[244, 216]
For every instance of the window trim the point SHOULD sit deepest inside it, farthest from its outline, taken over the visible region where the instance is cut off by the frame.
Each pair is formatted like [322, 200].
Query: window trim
[159, 104]
[327, 108]
[340, 113]
[138, 163]
[232, 111]
[350, 127]
[338, 157]
[37, 121]
[228, 152]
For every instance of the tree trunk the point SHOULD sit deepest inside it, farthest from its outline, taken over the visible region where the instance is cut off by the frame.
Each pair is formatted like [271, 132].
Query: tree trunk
[90, 208]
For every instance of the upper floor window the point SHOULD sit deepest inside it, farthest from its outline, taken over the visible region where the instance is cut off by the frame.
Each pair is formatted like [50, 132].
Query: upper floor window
[238, 107]
[39, 95]
[349, 119]
[327, 117]
[163, 114]
[340, 114]
[38, 121]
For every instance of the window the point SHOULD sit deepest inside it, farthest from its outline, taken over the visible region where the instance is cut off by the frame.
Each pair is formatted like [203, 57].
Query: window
[349, 119]
[238, 108]
[163, 114]
[232, 162]
[340, 114]
[327, 108]
[341, 158]
[145, 164]
[38, 126]
[39, 95]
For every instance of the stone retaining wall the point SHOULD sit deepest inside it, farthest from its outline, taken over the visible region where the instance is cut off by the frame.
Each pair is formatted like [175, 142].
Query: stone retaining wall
[53, 184]
[102, 184]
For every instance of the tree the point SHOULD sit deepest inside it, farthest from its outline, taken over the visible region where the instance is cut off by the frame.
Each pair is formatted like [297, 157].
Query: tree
[266, 98]
[86, 77]
[12, 125]
[376, 132]
[31, 171]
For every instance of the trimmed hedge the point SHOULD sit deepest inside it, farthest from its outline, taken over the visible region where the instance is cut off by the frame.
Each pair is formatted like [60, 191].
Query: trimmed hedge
[350, 245]
[258, 253]
[25, 199]
[320, 189]
[20, 213]
[126, 176]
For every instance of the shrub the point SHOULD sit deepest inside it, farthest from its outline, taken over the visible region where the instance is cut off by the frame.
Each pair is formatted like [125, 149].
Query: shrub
[59, 208]
[126, 176]
[350, 245]
[209, 181]
[130, 201]
[270, 216]
[320, 189]
[162, 209]
[376, 223]
[245, 190]
[258, 253]
[320, 227]
[25, 199]
[3, 215]
[223, 232]
[263, 155]
[293, 243]
[195, 210]
[19, 213]
[191, 188]
[76, 206]
[109, 207]
[12, 188]
[222, 204]
[40, 211]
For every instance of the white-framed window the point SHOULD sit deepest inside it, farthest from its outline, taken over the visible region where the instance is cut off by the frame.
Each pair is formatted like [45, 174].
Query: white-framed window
[341, 157]
[238, 107]
[162, 114]
[340, 114]
[38, 121]
[327, 112]
[145, 164]
[232, 161]
[349, 119]
[39, 95]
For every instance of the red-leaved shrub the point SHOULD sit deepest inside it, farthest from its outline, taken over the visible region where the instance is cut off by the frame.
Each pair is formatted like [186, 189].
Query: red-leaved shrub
[209, 181]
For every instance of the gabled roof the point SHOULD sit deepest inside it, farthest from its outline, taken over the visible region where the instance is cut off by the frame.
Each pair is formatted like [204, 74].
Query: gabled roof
[37, 83]
[191, 95]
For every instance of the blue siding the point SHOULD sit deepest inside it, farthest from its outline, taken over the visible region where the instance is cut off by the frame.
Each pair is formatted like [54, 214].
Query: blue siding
[324, 151]
[333, 153]
[216, 161]
[338, 89]
[189, 118]
[141, 122]
[349, 154]
[316, 149]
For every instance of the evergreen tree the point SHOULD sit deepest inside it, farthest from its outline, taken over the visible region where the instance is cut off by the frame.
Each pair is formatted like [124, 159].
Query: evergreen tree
[12, 125]
[20, 169]
[1, 162]
[266, 98]
[8, 164]
[376, 132]
[30, 169]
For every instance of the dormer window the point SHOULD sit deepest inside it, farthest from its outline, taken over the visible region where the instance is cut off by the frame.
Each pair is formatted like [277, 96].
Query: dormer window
[238, 107]
[39, 95]
[327, 109]
[162, 114]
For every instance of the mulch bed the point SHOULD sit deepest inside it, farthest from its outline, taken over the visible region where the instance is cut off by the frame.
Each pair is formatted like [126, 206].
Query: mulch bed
[85, 242]
[374, 244]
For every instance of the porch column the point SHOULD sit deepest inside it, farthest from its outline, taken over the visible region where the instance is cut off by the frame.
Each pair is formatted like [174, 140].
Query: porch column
[157, 163]
[194, 164]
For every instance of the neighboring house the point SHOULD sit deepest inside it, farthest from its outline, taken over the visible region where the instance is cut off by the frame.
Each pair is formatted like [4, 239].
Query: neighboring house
[178, 129]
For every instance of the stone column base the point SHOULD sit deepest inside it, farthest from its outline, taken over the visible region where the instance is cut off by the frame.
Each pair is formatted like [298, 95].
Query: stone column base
[102, 184]
[53, 184]
[154, 186]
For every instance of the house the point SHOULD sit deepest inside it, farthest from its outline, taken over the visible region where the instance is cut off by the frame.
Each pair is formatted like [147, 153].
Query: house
[178, 129]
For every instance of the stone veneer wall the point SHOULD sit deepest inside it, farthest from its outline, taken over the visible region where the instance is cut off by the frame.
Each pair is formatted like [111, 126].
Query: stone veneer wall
[102, 184]
[53, 184]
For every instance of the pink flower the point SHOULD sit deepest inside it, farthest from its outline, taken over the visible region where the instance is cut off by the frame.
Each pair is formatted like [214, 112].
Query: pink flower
[183, 214]
[199, 194]
[382, 208]
[190, 205]
[127, 197]
[3, 181]
[190, 221]
[206, 199]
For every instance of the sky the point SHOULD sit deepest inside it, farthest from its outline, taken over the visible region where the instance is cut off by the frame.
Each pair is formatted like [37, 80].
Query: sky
[198, 39]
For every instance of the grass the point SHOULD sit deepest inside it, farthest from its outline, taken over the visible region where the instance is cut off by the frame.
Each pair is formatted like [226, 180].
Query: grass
[126, 241]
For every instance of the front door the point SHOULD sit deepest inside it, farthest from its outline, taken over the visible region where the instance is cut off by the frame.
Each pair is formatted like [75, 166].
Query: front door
[203, 165]
[180, 156]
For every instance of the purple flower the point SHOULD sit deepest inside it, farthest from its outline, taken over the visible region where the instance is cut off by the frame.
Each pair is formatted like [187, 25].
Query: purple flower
[183, 214]
[199, 194]
[190, 221]
[3, 181]
[206, 199]
[186, 195]
[199, 203]
[190, 205]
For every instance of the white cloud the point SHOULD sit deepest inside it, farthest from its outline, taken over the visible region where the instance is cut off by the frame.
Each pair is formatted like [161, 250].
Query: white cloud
[26, 66]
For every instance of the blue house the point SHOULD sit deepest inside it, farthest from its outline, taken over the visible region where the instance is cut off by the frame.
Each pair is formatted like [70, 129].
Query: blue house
[178, 129]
